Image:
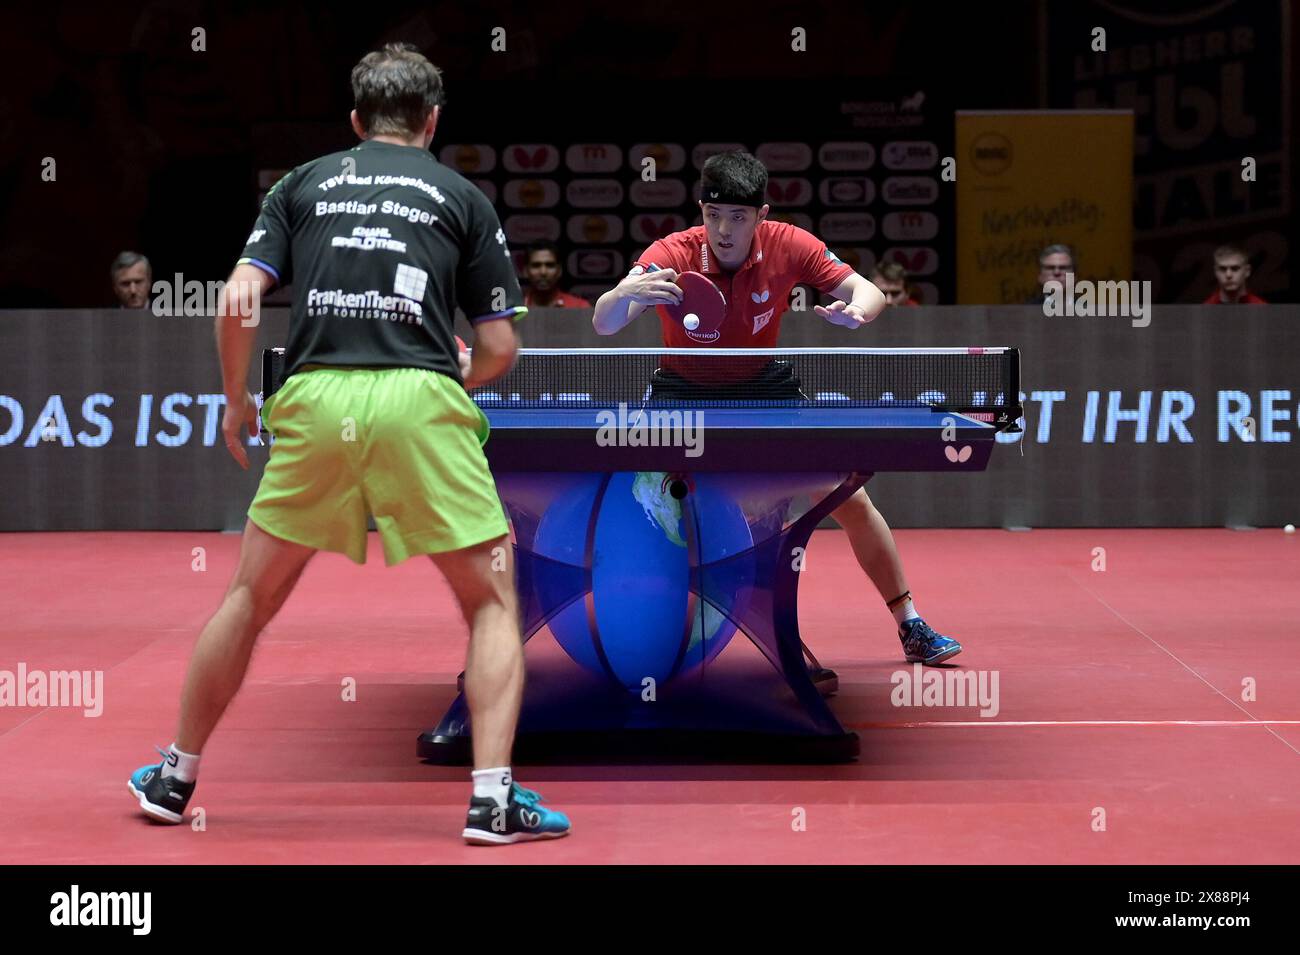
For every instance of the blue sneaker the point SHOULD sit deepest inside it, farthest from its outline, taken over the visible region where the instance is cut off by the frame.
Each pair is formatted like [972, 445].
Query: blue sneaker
[923, 645]
[522, 820]
[161, 797]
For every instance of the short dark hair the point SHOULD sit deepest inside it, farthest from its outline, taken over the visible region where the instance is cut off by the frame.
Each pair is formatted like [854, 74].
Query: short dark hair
[1058, 248]
[1223, 251]
[125, 260]
[734, 173]
[889, 271]
[542, 245]
[395, 89]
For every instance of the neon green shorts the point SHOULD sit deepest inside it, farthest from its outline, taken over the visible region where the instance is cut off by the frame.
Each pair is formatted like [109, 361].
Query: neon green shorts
[404, 445]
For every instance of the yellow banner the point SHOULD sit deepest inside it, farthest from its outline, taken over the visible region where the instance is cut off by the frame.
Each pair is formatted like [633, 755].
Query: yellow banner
[1030, 179]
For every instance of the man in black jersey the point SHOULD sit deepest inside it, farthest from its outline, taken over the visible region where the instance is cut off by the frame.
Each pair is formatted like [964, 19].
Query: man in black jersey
[382, 244]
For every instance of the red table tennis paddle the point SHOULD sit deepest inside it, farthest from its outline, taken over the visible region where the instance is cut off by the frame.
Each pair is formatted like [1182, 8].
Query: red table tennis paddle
[702, 305]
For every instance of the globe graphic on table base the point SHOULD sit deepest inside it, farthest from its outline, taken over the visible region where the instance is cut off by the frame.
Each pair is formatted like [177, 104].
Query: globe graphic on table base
[640, 575]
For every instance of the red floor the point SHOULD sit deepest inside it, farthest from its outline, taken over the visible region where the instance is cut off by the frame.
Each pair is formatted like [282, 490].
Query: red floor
[1122, 735]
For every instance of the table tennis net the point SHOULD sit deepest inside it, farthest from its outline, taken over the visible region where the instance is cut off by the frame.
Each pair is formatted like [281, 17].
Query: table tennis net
[983, 382]
[980, 382]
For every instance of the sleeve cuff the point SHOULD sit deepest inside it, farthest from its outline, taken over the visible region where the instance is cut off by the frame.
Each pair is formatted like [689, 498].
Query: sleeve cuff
[837, 282]
[264, 266]
[516, 313]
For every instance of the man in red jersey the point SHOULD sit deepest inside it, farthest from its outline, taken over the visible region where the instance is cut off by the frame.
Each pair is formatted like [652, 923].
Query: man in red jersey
[756, 263]
[543, 271]
[1232, 271]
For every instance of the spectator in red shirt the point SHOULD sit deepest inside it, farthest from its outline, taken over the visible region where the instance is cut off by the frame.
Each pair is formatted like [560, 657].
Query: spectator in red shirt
[891, 279]
[1231, 271]
[755, 263]
[542, 272]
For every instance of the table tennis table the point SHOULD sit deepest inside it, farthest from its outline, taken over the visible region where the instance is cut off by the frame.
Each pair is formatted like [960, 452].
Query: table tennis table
[858, 412]
[818, 438]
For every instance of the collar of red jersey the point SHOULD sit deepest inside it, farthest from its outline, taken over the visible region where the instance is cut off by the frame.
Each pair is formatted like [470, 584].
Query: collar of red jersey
[707, 255]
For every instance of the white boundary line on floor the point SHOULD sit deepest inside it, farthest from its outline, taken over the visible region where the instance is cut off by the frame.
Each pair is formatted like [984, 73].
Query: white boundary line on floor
[988, 724]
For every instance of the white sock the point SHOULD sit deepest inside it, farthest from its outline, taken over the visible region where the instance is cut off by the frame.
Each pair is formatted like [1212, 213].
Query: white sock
[184, 766]
[904, 610]
[493, 783]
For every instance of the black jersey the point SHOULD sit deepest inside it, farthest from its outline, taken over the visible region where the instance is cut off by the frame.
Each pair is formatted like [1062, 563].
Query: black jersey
[382, 243]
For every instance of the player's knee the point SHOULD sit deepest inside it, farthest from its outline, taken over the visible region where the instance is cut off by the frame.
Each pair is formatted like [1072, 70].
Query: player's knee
[243, 604]
[261, 599]
[856, 509]
[496, 593]
[482, 577]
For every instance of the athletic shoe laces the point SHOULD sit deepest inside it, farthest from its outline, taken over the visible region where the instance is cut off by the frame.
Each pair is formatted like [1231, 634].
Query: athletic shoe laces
[527, 796]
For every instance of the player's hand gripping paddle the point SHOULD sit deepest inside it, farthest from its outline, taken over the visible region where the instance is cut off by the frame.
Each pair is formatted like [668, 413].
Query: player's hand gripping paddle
[702, 307]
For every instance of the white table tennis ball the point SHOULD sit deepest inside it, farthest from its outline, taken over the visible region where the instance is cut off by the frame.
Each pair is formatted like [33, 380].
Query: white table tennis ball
[691, 321]
[1289, 529]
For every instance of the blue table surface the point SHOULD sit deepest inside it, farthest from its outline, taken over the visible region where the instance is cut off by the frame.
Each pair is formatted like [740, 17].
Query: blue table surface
[586, 418]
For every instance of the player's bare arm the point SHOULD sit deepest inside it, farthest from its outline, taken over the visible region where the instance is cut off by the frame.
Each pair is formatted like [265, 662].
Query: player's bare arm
[495, 348]
[236, 330]
[632, 296]
[858, 302]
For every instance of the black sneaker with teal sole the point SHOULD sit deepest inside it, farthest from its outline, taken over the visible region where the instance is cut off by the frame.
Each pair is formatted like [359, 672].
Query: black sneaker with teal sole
[163, 798]
[923, 645]
[523, 819]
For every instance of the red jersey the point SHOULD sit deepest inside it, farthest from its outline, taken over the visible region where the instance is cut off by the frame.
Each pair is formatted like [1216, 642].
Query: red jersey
[559, 300]
[1247, 299]
[780, 257]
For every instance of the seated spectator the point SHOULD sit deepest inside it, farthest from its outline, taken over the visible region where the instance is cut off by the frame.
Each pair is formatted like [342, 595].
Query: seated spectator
[542, 272]
[132, 279]
[1053, 264]
[891, 279]
[1231, 271]
[1054, 261]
